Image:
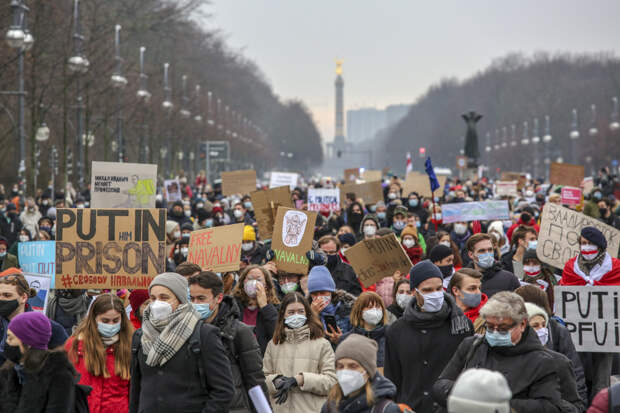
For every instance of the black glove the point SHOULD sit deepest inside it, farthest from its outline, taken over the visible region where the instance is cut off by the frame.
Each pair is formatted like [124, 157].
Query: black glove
[283, 385]
[315, 258]
[270, 255]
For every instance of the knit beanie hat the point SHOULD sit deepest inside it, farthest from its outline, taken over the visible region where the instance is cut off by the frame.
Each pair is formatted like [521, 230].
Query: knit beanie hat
[402, 210]
[529, 254]
[439, 252]
[480, 391]
[248, 233]
[137, 298]
[533, 309]
[409, 230]
[422, 271]
[170, 226]
[595, 236]
[174, 282]
[32, 328]
[320, 279]
[346, 238]
[371, 217]
[361, 349]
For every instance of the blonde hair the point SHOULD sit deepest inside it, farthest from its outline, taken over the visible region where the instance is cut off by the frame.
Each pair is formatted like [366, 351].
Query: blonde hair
[335, 395]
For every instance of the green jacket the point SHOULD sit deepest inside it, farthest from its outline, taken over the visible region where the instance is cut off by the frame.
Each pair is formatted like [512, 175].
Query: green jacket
[9, 261]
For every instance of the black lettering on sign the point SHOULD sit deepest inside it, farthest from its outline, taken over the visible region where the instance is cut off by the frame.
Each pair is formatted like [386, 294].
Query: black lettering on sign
[92, 224]
[158, 227]
[107, 248]
[132, 246]
[61, 256]
[112, 214]
[84, 252]
[65, 218]
[158, 261]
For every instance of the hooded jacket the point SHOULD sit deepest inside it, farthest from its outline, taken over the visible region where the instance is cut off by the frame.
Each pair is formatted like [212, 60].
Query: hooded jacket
[496, 279]
[383, 390]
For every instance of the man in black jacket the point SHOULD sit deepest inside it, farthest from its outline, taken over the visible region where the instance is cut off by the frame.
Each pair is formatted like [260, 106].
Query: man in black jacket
[342, 273]
[482, 254]
[207, 294]
[419, 344]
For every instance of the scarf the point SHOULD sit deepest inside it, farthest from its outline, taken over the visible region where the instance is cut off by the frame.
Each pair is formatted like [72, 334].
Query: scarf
[74, 306]
[543, 275]
[586, 266]
[459, 323]
[602, 265]
[414, 253]
[108, 341]
[162, 339]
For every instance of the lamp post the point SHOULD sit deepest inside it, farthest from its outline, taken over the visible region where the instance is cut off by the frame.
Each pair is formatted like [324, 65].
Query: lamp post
[547, 138]
[525, 141]
[574, 134]
[42, 135]
[167, 105]
[53, 170]
[535, 142]
[119, 82]
[198, 119]
[78, 64]
[185, 113]
[143, 96]
[614, 125]
[593, 131]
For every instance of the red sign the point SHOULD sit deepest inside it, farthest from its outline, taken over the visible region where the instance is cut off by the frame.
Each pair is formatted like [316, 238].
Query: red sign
[571, 195]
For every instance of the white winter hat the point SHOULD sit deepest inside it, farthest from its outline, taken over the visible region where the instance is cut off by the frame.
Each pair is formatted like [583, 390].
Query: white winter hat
[533, 309]
[480, 391]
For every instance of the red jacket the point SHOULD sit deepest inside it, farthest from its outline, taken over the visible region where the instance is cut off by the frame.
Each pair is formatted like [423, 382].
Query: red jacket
[474, 313]
[570, 277]
[108, 395]
[600, 404]
[532, 223]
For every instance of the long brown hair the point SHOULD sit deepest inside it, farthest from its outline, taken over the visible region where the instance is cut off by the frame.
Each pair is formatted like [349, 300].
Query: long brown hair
[365, 300]
[239, 291]
[93, 348]
[313, 322]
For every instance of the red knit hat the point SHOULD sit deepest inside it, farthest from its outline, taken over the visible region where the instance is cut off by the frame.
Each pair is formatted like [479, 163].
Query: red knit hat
[137, 298]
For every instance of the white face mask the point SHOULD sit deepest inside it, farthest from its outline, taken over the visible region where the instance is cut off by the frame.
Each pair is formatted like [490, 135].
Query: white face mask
[369, 230]
[350, 380]
[543, 335]
[373, 316]
[446, 243]
[432, 301]
[460, 228]
[238, 213]
[23, 238]
[247, 246]
[437, 217]
[408, 243]
[392, 195]
[295, 321]
[589, 251]
[160, 310]
[184, 251]
[188, 213]
[250, 288]
[403, 300]
[176, 234]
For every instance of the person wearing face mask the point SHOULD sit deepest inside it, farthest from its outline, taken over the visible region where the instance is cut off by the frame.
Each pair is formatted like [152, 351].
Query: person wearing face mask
[523, 239]
[369, 318]
[177, 214]
[409, 241]
[361, 387]
[252, 251]
[431, 320]
[368, 227]
[380, 210]
[343, 274]
[240, 214]
[354, 215]
[591, 207]
[526, 218]
[181, 250]
[204, 219]
[30, 215]
[35, 379]
[68, 308]
[206, 291]
[6, 260]
[401, 296]
[100, 350]
[605, 209]
[399, 220]
[10, 225]
[512, 347]
[465, 288]
[247, 204]
[443, 258]
[537, 274]
[347, 240]
[287, 282]
[460, 234]
[178, 362]
[14, 295]
[414, 205]
[299, 361]
[24, 236]
[482, 255]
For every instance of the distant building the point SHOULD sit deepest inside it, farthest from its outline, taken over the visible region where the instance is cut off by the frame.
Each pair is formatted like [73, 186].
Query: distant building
[363, 124]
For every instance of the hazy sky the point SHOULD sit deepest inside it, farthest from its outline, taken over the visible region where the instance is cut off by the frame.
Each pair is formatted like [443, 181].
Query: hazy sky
[393, 50]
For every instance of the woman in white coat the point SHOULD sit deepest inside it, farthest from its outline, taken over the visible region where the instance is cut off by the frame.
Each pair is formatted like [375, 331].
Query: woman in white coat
[299, 363]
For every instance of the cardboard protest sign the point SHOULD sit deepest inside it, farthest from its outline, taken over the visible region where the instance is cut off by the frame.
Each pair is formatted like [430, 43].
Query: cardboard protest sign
[570, 195]
[42, 283]
[475, 211]
[566, 174]
[172, 189]
[278, 179]
[238, 182]
[370, 192]
[591, 316]
[515, 176]
[123, 185]
[109, 248]
[370, 175]
[560, 230]
[587, 184]
[351, 174]
[506, 188]
[377, 258]
[292, 238]
[266, 205]
[216, 249]
[417, 182]
[38, 257]
[320, 199]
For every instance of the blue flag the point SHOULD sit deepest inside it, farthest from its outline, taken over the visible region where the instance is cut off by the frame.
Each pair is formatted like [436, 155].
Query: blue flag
[431, 174]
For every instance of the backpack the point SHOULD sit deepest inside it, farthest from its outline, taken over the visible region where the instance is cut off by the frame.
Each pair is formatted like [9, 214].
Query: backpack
[80, 401]
[614, 398]
[384, 403]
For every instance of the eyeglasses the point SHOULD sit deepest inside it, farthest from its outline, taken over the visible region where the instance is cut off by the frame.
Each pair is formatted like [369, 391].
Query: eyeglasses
[500, 329]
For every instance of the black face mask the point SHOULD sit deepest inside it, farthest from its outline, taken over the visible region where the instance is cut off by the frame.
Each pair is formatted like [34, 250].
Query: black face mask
[446, 270]
[602, 211]
[177, 213]
[69, 293]
[13, 353]
[332, 260]
[7, 307]
[525, 217]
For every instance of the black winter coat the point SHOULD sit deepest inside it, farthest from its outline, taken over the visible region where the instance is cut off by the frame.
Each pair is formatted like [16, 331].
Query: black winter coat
[177, 386]
[345, 278]
[571, 400]
[377, 334]
[495, 279]
[396, 310]
[415, 354]
[383, 390]
[265, 323]
[50, 390]
[243, 352]
[530, 370]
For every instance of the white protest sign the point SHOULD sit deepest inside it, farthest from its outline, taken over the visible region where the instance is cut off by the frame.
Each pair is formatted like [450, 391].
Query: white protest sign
[320, 199]
[42, 284]
[591, 316]
[283, 179]
[560, 230]
[172, 188]
[123, 185]
[475, 211]
[506, 188]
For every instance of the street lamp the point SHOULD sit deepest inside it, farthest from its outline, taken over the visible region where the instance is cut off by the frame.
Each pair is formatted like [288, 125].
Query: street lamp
[614, 124]
[504, 137]
[574, 133]
[184, 112]
[536, 137]
[513, 135]
[42, 135]
[547, 138]
[167, 105]
[119, 82]
[593, 131]
[15, 36]
[526, 135]
[198, 116]
[144, 96]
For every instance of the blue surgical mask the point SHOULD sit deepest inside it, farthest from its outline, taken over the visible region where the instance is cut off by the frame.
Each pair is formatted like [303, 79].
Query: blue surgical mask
[247, 204]
[413, 203]
[204, 310]
[532, 245]
[497, 339]
[399, 225]
[209, 222]
[373, 208]
[108, 330]
[486, 260]
[418, 224]
[381, 215]
[2, 254]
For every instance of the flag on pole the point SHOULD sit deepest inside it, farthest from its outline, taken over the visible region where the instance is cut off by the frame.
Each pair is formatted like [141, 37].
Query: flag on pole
[409, 164]
[431, 175]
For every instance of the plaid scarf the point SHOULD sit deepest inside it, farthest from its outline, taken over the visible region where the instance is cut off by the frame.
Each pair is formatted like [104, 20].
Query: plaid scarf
[162, 339]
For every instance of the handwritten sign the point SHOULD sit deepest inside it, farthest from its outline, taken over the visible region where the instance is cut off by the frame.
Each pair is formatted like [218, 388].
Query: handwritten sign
[370, 192]
[172, 189]
[266, 205]
[475, 211]
[278, 179]
[238, 182]
[372, 175]
[216, 249]
[566, 174]
[377, 258]
[591, 315]
[571, 196]
[320, 199]
[109, 248]
[417, 182]
[123, 185]
[292, 238]
[560, 230]
[37, 257]
[506, 188]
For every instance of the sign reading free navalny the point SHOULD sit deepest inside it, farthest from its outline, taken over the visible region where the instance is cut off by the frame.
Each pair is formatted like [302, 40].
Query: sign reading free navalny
[109, 248]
